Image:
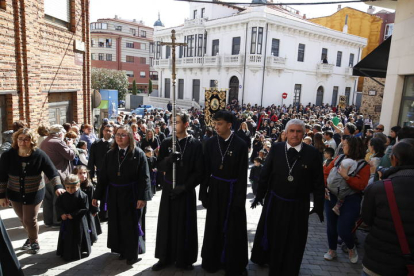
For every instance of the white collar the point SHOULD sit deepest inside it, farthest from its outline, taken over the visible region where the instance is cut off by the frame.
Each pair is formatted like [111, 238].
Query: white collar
[126, 148]
[225, 140]
[298, 148]
[103, 140]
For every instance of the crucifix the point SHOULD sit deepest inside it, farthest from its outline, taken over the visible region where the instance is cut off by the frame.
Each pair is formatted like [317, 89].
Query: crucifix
[173, 45]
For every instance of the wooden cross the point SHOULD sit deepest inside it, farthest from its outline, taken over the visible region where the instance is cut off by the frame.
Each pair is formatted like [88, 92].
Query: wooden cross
[173, 45]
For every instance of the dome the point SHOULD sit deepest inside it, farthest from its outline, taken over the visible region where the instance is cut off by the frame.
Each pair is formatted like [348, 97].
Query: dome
[158, 23]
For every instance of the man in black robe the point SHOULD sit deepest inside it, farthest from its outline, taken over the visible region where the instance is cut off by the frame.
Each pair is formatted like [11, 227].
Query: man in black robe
[177, 220]
[96, 156]
[9, 264]
[292, 171]
[125, 182]
[223, 193]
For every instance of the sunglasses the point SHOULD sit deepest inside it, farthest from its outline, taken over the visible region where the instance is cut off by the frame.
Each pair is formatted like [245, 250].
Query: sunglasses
[379, 129]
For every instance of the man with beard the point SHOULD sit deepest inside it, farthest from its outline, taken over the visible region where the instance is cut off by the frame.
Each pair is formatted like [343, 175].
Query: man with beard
[177, 220]
[291, 172]
[96, 156]
[223, 194]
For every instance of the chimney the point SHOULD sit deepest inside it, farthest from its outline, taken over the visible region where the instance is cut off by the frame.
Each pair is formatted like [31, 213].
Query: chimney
[371, 10]
[304, 16]
[345, 29]
[339, 7]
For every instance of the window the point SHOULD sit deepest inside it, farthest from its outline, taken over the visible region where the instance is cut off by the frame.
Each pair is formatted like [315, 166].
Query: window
[203, 11]
[154, 75]
[195, 45]
[180, 51]
[167, 88]
[3, 4]
[275, 47]
[301, 52]
[196, 90]
[297, 92]
[93, 42]
[190, 45]
[338, 59]
[58, 11]
[101, 42]
[94, 26]
[130, 45]
[407, 103]
[101, 56]
[235, 49]
[335, 96]
[324, 54]
[142, 74]
[200, 45]
[347, 94]
[194, 14]
[93, 56]
[143, 60]
[108, 57]
[213, 83]
[351, 60]
[133, 31]
[158, 54]
[130, 74]
[151, 47]
[180, 88]
[129, 59]
[215, 47]
[143, 33]
[143, 46]
[108, 43]
[205, 43]
[167, 52]
[253, 41]
[259, 41]
[388, 30]
[118, 28]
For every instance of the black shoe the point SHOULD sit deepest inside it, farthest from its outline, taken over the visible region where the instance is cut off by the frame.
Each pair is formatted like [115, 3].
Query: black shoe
[185, 267]
[26, 245]
[133, 261]
[159, 266]
[34, 248]
[121, 257]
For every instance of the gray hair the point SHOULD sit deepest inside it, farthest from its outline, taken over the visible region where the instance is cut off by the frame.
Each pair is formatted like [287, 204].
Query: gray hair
[296, 122]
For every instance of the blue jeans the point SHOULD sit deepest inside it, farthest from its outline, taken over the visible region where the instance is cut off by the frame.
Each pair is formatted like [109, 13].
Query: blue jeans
[342, 225]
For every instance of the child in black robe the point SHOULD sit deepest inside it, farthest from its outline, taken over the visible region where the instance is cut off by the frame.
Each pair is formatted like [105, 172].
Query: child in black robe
[86, 186]
[152, 166]
[71, 207]
[255, 173]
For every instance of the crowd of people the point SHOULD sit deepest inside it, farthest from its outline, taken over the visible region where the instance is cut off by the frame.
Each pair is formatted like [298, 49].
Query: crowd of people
[329, 160]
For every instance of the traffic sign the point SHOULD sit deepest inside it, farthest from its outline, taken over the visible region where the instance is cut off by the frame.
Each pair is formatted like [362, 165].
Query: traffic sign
[284, 95]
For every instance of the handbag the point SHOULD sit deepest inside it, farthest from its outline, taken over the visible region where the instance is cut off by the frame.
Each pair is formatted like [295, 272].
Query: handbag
[396, 218]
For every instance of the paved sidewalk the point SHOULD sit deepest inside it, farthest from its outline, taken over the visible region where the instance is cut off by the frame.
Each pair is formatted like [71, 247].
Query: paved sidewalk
[102, 262]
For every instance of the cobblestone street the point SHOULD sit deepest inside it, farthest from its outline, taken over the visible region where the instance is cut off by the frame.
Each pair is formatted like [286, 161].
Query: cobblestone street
[102, 262]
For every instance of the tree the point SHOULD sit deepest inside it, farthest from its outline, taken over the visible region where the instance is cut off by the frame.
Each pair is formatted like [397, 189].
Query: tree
[110, 79]
[149, 87]
[134, 88]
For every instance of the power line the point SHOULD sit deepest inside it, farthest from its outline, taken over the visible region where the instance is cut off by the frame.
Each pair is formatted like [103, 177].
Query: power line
[273, 4]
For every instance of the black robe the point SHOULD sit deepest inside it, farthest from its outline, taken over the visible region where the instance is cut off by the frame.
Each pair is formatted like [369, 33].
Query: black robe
[96, 156]
[287, 208]
[94, 224]
[225, 236]
[152, 164]
[74, 239]
[9, 264]
[177, 239]
[126, 230]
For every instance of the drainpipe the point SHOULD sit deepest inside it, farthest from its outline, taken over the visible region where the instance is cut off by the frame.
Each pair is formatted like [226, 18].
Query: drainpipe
[245, 58]
[264, 62]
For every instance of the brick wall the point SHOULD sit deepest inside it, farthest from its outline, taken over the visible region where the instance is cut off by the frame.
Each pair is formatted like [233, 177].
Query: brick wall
[38, 56]
[371, 104]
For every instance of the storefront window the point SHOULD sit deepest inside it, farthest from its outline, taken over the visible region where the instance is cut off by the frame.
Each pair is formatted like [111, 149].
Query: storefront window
[407, 104]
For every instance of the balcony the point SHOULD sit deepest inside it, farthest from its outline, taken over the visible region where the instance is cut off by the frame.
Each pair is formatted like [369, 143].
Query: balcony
[232, 60]
[192, 62]
[349, 71]
[212, 61]
[162, 63]
[324, 68]
[198, 22]
[277, 63]
[255, 60]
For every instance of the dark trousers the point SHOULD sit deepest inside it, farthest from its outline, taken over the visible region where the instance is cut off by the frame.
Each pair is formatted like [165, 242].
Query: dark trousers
[342, 225]
[49, 210]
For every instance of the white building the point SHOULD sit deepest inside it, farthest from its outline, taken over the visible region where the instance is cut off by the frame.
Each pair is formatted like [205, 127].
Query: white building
[258, 52]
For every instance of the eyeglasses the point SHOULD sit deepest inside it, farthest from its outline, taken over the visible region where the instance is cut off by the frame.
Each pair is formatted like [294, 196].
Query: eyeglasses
[23, 140]
[379, 129]
[119, 135]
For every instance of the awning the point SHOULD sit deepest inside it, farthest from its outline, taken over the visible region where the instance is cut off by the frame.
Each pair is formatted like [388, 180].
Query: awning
[375, 64]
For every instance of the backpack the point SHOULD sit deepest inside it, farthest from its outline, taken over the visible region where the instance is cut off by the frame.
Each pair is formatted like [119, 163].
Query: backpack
[335, 181]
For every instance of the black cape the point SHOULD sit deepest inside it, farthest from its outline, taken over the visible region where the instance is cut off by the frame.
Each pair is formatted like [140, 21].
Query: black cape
[126, 228]
[94, 224]
[225, 236]
[177, 220]
[287, 221]
[9, 264]
[74, 239]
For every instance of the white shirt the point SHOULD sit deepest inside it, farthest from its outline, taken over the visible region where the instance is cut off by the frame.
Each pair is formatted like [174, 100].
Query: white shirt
[225, 140]
[298, 148]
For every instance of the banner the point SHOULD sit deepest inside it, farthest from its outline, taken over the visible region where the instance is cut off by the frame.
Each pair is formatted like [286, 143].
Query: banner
[214, 101]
